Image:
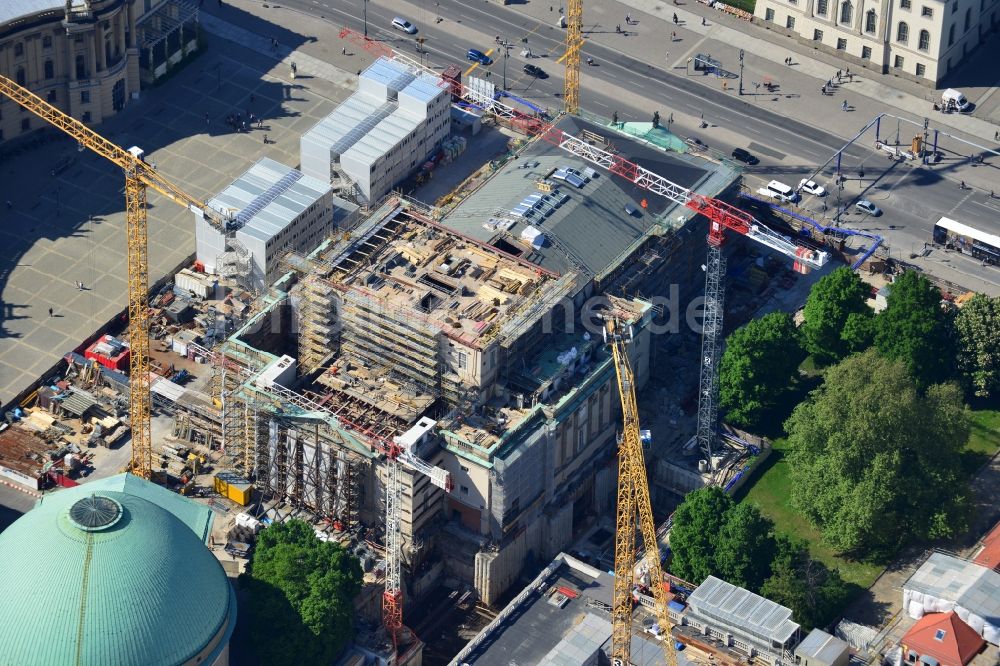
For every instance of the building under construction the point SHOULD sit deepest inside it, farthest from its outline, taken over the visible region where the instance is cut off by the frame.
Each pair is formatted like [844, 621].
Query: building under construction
[464, 334]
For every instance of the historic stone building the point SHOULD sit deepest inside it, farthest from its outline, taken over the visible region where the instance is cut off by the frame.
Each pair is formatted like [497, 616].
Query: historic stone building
[88, 56]
[921, 40]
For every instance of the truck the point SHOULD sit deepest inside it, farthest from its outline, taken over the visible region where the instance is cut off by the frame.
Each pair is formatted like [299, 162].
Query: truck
[953, 100]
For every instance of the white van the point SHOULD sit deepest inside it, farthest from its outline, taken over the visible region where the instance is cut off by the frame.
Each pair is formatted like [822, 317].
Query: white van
[779, 191]
[952, 99]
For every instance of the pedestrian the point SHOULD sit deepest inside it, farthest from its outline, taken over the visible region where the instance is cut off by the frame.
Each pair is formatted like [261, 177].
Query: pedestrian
[79, 286]
[675, 18]
[265, 139]
[823, 90]
[207, 121]
[50, 312]
[844, 105]
[847, 72]
[703, 22]
[260, 123]
[850, 78]
[996, 137]
[343, 51]
[628, 19]
[673, 36]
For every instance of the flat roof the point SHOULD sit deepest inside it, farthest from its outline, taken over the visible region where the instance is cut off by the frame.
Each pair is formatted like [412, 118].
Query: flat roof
[972, 586]
[15, 9]
[562, 617]
[741, 609]
[585, 225]
[822, 646]
[268, 196]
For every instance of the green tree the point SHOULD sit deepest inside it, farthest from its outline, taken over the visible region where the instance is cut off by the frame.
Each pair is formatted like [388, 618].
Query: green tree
[812, 592]
[745, 547]
[760, 361]
[916, 330]
[697, 523]
[301, 595]
[874, 462]
[832, 302]
[977, 326]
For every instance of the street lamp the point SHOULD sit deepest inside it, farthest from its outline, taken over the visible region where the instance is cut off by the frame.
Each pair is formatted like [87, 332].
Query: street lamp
[741, 72]
[505, 45]
[366, 18]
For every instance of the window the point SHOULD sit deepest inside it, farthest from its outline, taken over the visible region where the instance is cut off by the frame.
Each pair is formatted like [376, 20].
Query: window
[46, 41]
[968, 18]
[866, 52]
[25, 124]
[81, 67]
[51, 97]
[921, 70]
[822, 7]
[768, 14]
[790, 22]
[925, 40]
[926, 11]
[898, 62]
[846, 12]
[84, 97]
[940, 634]
[817, 35]
[841, 44]
[50, 69]
[20, 76]
[581, 440]
[951, 34]
[86, 116]
[18, 49]
[904, 4]
[870, 20]
[464, 490]
[463, 468]
[902, 33]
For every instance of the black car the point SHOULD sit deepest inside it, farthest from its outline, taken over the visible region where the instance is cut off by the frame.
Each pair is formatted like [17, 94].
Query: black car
[745, 156]
[535, 71]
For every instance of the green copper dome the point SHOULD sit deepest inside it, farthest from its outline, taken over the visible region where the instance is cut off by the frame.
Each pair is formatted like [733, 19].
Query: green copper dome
[112, 572]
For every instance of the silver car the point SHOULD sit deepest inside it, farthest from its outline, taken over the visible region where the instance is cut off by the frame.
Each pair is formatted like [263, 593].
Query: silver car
[866, 206]
[400, 23]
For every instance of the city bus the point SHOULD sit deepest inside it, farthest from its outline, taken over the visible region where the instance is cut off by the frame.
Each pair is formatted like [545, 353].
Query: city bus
[967, 240]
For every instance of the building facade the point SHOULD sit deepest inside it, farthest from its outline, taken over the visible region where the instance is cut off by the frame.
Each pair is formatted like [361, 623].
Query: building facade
[920, 40]
[85, 57]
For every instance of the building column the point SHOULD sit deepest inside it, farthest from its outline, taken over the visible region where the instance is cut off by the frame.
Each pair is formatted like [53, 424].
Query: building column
[133, 36]
[91, 63]
[120, 33]
[101, 64]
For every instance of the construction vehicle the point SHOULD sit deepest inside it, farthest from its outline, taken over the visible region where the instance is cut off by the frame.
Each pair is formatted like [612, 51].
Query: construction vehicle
[633, 504]
[138, 176]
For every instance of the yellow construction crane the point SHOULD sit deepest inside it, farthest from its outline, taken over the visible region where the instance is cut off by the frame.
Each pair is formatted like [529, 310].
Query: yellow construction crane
[138, 176]
[574, 42]
[633, 502]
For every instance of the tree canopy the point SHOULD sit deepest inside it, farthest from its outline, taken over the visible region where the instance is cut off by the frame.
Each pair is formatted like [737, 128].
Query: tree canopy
[977, 326]
[807, 587]
[760, 361]
[697, 523]
[301, 595]
[745, 547]
[874, 461]
[835, 300]
[916, 330]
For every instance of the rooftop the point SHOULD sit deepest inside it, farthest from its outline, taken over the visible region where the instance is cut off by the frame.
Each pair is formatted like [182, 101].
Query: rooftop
[579, 212]
[822, 647]
[562, 617]
[962, 582]
[945, 637]
[268, 197]
[15, 9]
[743, 610]
[136, 584]
[438, 280]
[989, 555]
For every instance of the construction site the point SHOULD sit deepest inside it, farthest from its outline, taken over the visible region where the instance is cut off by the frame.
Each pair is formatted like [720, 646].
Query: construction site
[429, 383]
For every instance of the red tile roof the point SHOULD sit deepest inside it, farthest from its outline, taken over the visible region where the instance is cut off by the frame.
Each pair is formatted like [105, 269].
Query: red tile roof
[945, 637]
[989, 556]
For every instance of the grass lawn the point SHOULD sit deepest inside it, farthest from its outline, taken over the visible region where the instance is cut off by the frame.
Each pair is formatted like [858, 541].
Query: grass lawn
[771, 492]
[745, 5]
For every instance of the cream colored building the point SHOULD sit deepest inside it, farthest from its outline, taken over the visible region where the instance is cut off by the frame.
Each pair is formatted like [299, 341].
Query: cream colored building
[87, 57]
[921, 40]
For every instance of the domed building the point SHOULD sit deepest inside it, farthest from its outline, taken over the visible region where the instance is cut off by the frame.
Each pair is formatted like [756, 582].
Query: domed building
[114, 572]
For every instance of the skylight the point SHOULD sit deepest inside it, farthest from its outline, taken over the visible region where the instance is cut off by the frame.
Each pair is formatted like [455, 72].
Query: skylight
[939, 634]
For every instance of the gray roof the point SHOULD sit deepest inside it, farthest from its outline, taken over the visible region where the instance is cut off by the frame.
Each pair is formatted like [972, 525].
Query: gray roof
[537, 631]
[590, 227]
[14, 9]
[268, 197]
[822, 647]
[742, 610]
[967, 584]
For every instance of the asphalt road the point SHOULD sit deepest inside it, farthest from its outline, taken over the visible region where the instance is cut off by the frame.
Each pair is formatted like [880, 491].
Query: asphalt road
[912, 197]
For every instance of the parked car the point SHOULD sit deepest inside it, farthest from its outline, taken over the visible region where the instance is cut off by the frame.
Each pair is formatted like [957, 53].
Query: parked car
[696, 143]
[866, 206]
[745, 156]
[535, 71]
[400, 23]
[478, 56]
[811, 187]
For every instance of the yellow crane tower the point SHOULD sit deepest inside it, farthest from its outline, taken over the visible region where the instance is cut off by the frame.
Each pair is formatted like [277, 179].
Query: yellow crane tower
[633, 502]
[138, 176]
[574, 42]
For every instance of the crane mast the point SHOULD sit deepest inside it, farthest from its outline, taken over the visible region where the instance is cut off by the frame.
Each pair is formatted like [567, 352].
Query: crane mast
[138, 176]
[633, 503]
[574, 42]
